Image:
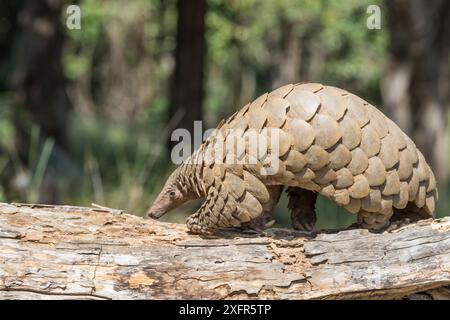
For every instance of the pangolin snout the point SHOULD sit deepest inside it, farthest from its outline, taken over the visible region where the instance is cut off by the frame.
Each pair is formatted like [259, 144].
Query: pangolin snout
[156, 211]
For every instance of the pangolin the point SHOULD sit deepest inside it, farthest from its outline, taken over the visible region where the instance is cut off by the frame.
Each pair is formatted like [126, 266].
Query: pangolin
[329, 142]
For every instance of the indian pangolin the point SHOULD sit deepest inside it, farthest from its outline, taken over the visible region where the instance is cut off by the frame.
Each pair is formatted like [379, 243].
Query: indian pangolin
[329, 142]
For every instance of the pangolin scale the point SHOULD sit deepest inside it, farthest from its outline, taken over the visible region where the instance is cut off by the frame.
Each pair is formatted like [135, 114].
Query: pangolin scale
[331, 142]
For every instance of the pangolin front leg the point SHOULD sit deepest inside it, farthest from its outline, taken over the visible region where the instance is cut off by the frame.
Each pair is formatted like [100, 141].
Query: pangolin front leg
[215, 213]
[302, 204]
[230, 202]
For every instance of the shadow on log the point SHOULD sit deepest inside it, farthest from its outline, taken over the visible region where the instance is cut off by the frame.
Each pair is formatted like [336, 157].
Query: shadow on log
[63, 252]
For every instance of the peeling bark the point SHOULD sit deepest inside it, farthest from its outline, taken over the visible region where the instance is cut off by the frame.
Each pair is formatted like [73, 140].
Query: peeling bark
[63, 252]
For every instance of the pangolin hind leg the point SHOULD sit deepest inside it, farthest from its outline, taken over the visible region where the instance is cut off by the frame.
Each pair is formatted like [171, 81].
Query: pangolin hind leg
[411, 213]
[302, 204]
[265, 219]
[402, 217]
[392, 219]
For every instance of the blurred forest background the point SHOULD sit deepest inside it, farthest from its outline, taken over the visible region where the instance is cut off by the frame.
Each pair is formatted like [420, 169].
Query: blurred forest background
[86, 115]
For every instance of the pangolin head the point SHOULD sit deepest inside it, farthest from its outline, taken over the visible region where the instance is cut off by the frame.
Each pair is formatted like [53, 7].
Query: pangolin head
[173, 194]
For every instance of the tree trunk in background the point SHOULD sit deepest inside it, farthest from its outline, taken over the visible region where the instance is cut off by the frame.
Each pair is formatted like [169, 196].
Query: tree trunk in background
[39, 80]
[288, 66]
[9, 10]
[187, 83]
[416, 86]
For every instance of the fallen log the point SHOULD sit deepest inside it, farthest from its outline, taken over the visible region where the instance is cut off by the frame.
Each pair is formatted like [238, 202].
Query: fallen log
[65, 252]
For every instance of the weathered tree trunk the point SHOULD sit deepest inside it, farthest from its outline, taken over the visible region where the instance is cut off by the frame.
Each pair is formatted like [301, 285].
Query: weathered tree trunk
[71, 252]
[187, 83]
[415, 89]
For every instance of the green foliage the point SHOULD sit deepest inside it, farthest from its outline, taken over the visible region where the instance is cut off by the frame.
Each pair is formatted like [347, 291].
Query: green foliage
[121, 165]
[28, 178]
[39, 161]
[244, 37]
[3, 165]
[6, 131]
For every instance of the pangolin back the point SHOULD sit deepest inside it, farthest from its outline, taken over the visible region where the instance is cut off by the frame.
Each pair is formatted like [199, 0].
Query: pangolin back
[331, 142]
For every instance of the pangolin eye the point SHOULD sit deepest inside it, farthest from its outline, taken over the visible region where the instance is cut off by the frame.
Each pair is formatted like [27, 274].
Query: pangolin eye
[172, 194]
